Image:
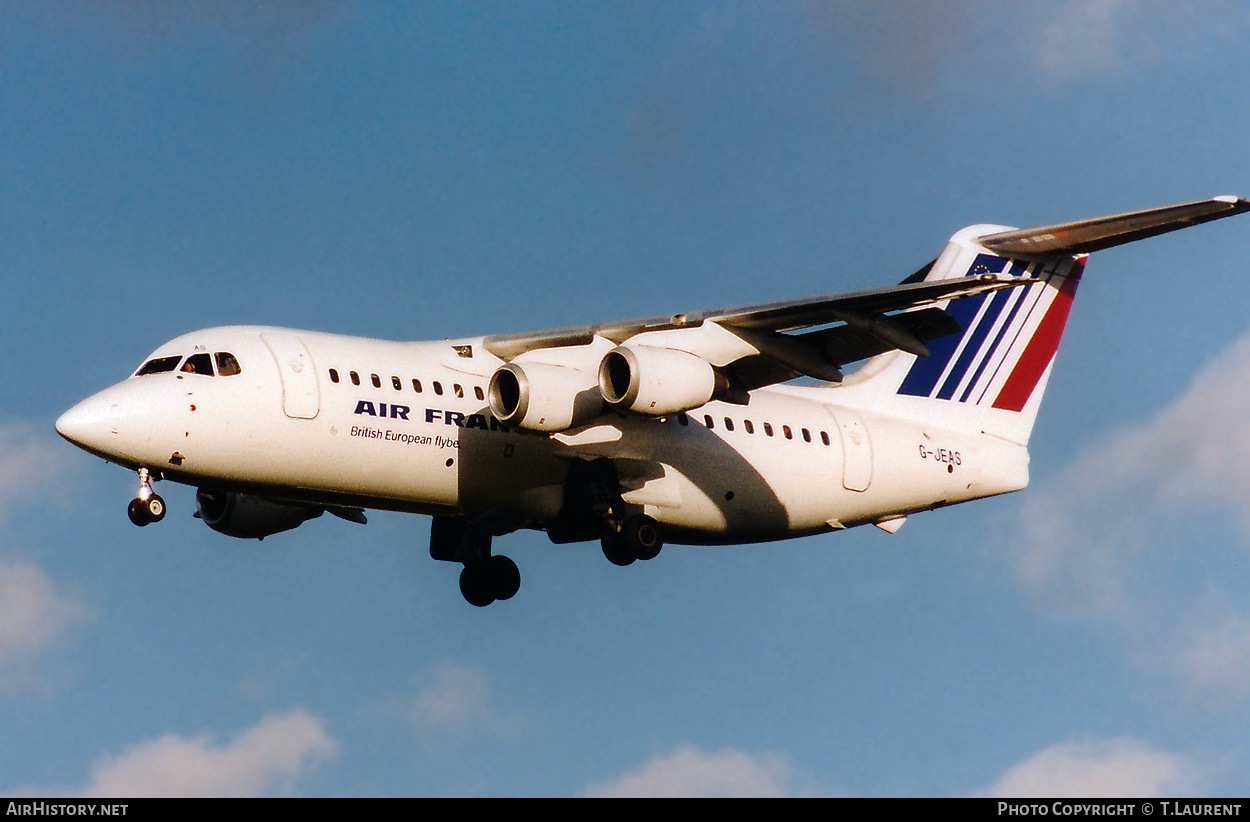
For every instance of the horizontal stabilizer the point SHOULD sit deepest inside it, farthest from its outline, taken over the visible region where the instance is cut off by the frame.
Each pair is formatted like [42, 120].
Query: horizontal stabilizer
[1085, 236]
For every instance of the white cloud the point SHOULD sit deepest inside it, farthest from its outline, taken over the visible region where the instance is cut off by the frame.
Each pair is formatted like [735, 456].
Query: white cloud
[455, 701]
[457, 696]
[29, 462]
[1098, 768]
[1195, 453]
[1109, 538]
[32, 614]
[264, 759]
[1089, 37]
[1213, 657]
[914, 45]
[690, 772]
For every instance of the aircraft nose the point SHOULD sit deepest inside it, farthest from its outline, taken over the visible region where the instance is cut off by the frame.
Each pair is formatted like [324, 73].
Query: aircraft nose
[83, 424]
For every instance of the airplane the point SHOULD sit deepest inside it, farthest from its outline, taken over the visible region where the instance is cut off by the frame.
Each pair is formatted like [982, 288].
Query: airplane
[730, 426]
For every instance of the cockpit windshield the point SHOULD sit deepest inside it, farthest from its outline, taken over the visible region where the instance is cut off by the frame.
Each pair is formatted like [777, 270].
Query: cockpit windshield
[227, 365]
[198, 364]
[159, 365]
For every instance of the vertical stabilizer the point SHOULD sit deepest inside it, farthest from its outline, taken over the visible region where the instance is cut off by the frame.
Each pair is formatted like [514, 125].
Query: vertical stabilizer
[991, 375]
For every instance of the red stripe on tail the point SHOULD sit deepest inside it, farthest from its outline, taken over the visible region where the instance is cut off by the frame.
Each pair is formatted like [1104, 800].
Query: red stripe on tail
[1041, 348]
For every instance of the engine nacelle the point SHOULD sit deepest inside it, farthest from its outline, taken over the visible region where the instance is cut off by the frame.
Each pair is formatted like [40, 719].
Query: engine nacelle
[250, 517]
[656, 381]
[543, 397]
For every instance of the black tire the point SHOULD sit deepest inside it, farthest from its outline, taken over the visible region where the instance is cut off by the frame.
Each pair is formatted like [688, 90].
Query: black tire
[505, 577]
[476, 585]
[138, 512]
[641, 536]
[617, 552]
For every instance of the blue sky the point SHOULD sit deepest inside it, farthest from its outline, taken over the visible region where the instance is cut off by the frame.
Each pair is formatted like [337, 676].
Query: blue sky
[424, 170]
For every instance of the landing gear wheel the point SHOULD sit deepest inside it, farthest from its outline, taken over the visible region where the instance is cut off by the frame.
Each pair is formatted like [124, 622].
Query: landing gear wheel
[638, 538]
[505, 577]
[138, 512]
[617, 552]
[148, 507]
[145, 511]
[155, 508]
[475, 585]
[641, 536]
[496, 578]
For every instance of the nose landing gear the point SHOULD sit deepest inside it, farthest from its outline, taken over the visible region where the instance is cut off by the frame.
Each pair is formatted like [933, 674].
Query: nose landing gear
[147, 507]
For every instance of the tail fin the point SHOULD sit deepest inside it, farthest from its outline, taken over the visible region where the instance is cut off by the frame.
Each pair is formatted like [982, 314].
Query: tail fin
[996, 369]
[992, 374]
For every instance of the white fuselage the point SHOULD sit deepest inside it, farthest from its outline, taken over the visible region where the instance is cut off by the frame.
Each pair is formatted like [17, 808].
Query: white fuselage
[322, 418]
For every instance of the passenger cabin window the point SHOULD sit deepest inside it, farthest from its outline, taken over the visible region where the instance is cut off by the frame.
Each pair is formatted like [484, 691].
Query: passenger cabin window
[334, 375]
[159, 365]
[749, 426]
[458, 390]
[416, 385]
[198, 364]
[477, 392]
[228, 366]
[399, 386]
[355, 378]
[377, 381]
[438, 388]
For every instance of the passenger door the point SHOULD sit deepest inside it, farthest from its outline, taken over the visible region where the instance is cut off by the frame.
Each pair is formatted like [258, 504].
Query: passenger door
[301, 397]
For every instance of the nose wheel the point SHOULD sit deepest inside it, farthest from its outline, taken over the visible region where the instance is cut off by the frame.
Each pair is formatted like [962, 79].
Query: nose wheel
[148, 507]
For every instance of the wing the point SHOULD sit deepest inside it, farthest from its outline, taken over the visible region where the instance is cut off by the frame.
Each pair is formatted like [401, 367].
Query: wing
[751, 348]
[867, 328]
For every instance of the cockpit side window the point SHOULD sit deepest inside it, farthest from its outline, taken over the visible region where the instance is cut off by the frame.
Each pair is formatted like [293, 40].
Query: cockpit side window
[227, 365]
[159, 365]
[198, 364]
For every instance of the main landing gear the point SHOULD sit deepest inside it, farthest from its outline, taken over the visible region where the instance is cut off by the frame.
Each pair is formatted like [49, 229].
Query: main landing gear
[593, 508]
[487, 580]
[486, 577]
[148, 507]
[638, 537]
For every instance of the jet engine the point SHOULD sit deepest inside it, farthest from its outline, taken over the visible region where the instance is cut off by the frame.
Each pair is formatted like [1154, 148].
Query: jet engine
[543, 397]
[250, 517]
[657, 381]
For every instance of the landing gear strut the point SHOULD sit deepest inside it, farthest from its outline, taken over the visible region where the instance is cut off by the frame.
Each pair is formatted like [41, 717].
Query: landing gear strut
[148, 507]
